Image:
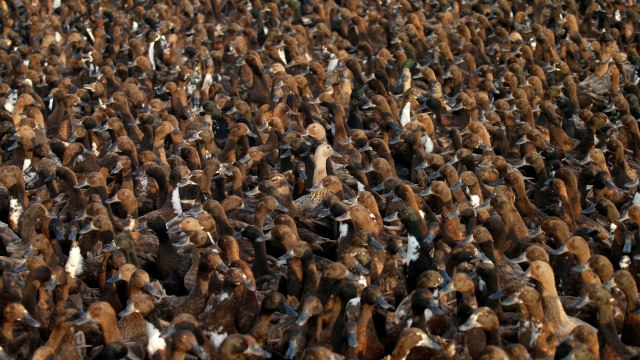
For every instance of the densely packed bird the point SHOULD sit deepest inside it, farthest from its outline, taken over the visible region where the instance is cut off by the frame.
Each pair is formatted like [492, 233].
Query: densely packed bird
[308, 179]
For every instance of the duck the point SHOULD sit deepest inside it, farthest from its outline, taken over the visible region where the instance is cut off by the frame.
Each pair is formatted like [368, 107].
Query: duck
[551, 305]
[170, 265]
[610, 343]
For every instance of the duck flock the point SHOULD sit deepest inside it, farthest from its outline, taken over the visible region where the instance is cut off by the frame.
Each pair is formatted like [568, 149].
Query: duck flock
[307, 179]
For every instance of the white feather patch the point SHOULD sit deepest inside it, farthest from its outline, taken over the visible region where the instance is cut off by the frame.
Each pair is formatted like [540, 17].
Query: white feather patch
[175, 201]
[73, 267]
[405, 117]
[413, 248]
[217, 337]
[156, 342]
[428, 144]
[10, 104]
[15, 213]
[344, 228]
[152, 59]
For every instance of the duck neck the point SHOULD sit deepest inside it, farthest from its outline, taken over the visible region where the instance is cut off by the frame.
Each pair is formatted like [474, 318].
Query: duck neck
[58, 333]
[264, 172]
[178, 354]
[310, 276]
[341, 129]
[7, 329]
[295, 273]
[228, 152]
[163, 239]
[366, 313]
[493, 337]
[158, 149]
[631, 295]
[314, 329]
[415, 229]
[413, 204]
[110, 330]
[319, 169]
[201, 288]
[336, 325]
[131, 255]
[552, 306]
[522, 200]
[260, 264]
[31, 295]
[567, 213]
[536, 313]
[607, 330]
[261, 328]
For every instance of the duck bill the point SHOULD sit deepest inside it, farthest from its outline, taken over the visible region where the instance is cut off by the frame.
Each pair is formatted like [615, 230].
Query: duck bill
[222, 267]
[282, 208]
[30, 320]
[590, 210]
[373, 242]
[457, 185]
[20, 268]
[51, 284]
[382, 302]
[112, 200]
[582, 303]
[114, 279]
[149, 289]
[623, 217]
[361, 269]
[561, 250]
[467, 240]
[87, 229]
[81, 184]
[199, 351]
[471, 323]
[84, 319]
[497, 295]
[525, 275]
[289, 310]
[511, 300]
[392, 217]
[520, 259]
[580, 268]
[523, 140]
[344, 217]
[110, 247]
[265, 237]
[130, 309]
[116, 169]
[305, 315]
[140, 227]
[316, 187]
[292, 350]
[257, 351]
[611, 283]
